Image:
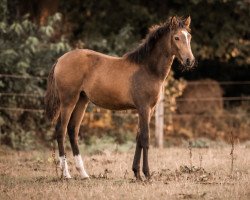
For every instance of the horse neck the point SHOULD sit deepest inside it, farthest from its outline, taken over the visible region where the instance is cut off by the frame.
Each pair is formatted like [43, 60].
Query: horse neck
[160, 60]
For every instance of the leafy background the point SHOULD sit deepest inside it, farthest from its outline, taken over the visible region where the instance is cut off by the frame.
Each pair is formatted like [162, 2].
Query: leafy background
[33, 34]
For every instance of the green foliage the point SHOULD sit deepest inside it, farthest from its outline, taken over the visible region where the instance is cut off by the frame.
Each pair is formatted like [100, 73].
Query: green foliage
[222, 31]
[3, 10]
[115, 44]
[20, 141]
[105, 19]
[173, 89]
[106, 145]
[220, 28]
[26, 49]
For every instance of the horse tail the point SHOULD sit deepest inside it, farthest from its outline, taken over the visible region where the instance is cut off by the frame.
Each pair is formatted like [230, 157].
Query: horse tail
[52, 101]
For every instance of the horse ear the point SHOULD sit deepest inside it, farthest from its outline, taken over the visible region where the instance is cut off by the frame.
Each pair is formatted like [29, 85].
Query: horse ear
[187, 21]
[174, 22]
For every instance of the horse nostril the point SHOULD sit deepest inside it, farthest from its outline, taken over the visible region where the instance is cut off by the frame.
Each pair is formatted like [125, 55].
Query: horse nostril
[188, 61]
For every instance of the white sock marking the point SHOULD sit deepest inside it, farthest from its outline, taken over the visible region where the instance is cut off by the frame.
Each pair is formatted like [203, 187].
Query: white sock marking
[64, 166]
[80, 166]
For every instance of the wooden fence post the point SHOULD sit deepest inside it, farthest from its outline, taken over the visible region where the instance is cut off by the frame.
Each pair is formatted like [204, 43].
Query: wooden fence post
[159, 120]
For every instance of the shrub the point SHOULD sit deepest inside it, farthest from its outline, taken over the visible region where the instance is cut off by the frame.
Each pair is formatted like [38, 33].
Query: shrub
[28, 50]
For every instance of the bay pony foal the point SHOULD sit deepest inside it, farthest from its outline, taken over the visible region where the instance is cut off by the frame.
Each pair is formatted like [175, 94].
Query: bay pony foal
[133, 81]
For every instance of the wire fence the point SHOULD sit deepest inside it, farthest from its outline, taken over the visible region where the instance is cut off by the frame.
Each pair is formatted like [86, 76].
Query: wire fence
[118, 113]
[242, 98]
[16, 76]
[122, 114]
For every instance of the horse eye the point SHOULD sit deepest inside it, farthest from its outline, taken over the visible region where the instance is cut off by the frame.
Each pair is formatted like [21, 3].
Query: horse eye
[177, 38]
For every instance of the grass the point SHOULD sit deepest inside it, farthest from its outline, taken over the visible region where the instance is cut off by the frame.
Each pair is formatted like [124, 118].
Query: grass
[32, 175]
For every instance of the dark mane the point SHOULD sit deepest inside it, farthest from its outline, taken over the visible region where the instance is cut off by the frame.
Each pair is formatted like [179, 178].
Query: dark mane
[155, 33]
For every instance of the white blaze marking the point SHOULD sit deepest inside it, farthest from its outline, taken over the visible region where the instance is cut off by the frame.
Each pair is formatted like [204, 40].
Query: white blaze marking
[64, 166]
[186, 36]
[80, 166]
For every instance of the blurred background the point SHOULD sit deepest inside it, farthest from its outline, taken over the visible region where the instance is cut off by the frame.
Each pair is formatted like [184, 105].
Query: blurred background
[210, 103]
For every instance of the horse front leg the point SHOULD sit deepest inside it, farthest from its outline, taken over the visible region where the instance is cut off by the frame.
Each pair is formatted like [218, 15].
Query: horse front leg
[142, 143]
[137, 158]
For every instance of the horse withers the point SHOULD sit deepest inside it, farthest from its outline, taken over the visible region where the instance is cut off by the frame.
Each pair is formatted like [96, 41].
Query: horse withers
[133, 81]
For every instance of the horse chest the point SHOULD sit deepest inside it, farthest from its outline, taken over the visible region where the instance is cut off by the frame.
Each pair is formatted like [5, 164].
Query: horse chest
[154, 97]
[146, 91]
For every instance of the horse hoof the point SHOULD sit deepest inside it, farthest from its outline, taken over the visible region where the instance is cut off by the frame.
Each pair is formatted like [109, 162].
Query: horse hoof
[147, 175]
[85, 177]
[67, 177]
[138, 177]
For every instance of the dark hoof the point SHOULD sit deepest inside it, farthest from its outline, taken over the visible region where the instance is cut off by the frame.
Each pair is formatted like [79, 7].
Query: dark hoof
[138, 178]
[137, 175]
[147, 175]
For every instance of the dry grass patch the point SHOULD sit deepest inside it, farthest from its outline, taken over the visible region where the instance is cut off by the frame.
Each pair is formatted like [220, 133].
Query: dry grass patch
[31, 175]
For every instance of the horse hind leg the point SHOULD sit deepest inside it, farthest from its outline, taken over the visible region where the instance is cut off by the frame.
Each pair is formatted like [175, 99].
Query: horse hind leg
[73, 130]
[66, 109]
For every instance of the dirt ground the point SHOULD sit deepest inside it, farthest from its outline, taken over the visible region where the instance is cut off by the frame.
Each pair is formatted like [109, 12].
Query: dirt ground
[175, 175]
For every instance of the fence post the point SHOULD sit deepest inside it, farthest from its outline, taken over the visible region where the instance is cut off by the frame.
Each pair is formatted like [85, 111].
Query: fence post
[159, 120]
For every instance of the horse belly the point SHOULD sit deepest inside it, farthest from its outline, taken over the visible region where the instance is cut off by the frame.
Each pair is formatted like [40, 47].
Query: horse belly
[110, 95]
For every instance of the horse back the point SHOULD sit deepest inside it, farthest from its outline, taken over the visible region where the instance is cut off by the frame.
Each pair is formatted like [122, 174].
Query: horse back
[106, 80]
